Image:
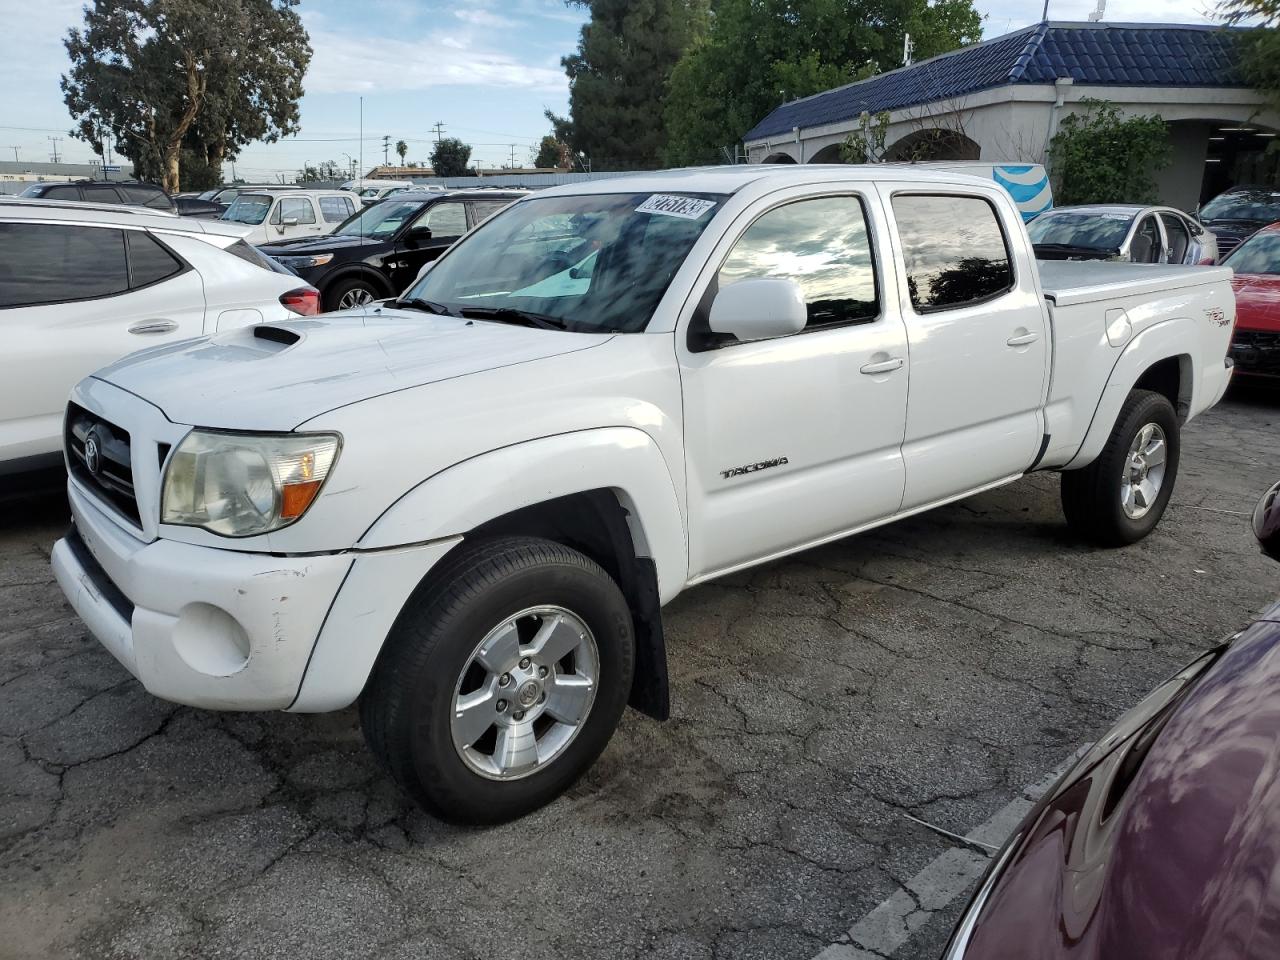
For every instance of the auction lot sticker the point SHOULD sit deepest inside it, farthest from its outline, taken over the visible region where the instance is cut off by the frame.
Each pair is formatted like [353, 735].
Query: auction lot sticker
[686, 208]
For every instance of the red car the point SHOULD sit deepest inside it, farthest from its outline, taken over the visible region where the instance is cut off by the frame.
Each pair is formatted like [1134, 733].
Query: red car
[1255, 348]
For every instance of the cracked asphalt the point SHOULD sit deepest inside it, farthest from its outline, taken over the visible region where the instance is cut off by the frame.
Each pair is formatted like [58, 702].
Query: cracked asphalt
[932, 668]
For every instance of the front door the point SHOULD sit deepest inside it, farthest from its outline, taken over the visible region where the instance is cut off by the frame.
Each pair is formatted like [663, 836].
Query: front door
[793, 440]
[434, 232]
[979, 345]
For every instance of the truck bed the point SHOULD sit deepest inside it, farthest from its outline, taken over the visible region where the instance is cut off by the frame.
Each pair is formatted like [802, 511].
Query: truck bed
[1068, 282]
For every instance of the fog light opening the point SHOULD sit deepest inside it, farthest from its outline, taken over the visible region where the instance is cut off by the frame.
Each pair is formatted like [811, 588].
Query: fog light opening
[210, 640]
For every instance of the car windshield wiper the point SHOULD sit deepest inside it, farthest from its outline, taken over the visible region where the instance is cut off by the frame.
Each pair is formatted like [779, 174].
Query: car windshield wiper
[512, 315]
[418, 303]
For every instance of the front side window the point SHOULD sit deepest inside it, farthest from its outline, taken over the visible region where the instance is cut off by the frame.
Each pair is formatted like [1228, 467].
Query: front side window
[250, 208]
[297, 208]
[1146, 246]
[445, 220]
[482, 210]
[53, 263]
[592, 263]
[954, 250]
[821, 244]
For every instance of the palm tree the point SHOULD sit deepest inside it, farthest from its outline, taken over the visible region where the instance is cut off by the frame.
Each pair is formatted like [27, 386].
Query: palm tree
[402, 148]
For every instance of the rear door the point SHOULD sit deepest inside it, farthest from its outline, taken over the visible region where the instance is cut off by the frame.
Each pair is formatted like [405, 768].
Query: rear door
[977, 337]
[73, 299]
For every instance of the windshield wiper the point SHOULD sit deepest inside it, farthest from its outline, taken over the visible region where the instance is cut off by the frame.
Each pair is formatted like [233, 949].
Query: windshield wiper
[512, 315]
[418, 303]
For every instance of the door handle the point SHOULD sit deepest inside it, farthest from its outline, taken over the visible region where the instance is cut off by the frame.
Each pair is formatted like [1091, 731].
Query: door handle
[884, 366]
[154, 326]
[1022, 339]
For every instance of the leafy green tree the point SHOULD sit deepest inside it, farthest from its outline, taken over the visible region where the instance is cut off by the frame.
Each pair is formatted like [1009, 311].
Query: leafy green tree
[866, 144]
[449, 158]
[1259, 49]
[618, 78]
[551, 153]
[402, 148]
[194, 77]
[1099, 157]
[758, 54]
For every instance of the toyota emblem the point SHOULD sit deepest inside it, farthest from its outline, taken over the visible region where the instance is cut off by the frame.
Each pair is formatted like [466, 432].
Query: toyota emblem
[92, 456]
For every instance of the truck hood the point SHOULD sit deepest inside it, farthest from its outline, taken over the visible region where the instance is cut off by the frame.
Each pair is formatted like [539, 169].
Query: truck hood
[1257, 302]
[279, 375]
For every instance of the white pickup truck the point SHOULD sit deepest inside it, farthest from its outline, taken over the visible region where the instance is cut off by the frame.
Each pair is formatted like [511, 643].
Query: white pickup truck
[466, 508]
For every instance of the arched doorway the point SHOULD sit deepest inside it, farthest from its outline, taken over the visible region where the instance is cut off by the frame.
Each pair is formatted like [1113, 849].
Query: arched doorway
[934, 144]
[779, 158]
[828, 154]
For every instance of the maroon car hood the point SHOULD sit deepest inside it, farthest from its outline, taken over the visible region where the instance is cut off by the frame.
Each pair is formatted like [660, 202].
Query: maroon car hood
[1171, 853]
[1257, 302]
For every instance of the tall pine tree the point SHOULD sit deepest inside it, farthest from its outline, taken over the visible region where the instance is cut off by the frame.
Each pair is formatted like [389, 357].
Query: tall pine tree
[758, 53]
[618, 79]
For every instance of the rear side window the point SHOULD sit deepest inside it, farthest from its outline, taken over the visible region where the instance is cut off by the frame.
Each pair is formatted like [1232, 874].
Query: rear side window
[149, 261]
[954, 250]
[482, 210]
[821, 244]
[335, 209]
[248, 254]
[54, 263]
[146, 197]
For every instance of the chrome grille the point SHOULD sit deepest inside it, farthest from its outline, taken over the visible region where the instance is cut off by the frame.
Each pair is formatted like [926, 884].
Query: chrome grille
[109, 472]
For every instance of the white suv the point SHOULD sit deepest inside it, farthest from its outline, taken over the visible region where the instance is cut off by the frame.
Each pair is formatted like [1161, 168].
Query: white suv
[273, 215]
[83, 284]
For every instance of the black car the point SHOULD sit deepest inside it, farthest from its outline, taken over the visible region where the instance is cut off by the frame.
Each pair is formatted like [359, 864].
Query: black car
[195, 207]
[133, 192]
[378, 251]
[1237, 214]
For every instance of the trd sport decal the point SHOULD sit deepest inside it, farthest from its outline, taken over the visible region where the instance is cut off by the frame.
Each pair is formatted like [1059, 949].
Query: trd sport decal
[1217, 315]
[754, 467]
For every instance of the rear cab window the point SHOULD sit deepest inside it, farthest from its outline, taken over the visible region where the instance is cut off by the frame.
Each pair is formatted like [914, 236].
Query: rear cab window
[335, 209]
[954, 250]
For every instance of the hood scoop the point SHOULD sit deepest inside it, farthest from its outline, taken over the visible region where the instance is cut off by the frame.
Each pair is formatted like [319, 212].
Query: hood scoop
[286, 338]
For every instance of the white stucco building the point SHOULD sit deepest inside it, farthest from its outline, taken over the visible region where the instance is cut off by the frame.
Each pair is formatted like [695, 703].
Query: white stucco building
[1002, 100]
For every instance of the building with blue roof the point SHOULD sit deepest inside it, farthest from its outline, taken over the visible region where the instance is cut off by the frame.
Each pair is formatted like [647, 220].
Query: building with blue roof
[1002, 101]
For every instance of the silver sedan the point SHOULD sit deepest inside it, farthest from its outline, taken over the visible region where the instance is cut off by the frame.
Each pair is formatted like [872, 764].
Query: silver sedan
[1122, 232]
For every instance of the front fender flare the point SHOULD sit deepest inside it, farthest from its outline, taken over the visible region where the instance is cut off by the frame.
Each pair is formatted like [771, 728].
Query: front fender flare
[624, 460]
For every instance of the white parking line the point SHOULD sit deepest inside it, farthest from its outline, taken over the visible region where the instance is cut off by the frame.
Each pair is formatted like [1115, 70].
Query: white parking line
[886, 928]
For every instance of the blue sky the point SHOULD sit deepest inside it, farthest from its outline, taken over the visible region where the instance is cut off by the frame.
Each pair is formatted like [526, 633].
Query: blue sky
[486, 69]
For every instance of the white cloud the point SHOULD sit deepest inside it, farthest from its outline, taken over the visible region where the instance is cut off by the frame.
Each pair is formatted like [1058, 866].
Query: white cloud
[346, 63]
[484, 18]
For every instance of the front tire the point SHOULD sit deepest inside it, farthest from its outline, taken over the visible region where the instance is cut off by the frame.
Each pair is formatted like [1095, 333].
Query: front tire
[1120, 497]
[502, 680]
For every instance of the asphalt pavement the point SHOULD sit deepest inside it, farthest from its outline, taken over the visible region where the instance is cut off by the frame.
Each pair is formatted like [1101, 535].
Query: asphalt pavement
[936, 669]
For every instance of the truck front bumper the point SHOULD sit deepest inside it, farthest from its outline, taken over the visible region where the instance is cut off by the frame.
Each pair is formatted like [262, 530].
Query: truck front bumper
[197, 625]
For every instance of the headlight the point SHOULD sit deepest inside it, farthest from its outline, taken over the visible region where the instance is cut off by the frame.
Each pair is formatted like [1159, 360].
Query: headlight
[319, 260]
[241, 485]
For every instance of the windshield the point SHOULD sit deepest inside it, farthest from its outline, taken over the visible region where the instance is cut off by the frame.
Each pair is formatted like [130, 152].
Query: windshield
[1243, 205]
[379, 221]
[368, 192]
[591, 263]
[248, 208]
[1259, 254]
[1087, 231]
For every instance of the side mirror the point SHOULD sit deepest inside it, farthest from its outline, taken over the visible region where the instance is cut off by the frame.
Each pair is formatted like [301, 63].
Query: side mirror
[1266, 522]
[759, 309]
[289, 222]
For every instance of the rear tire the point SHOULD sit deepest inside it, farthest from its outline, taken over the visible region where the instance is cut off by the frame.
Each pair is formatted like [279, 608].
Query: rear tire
[1120, 497]
[350, 293]
[472, 737]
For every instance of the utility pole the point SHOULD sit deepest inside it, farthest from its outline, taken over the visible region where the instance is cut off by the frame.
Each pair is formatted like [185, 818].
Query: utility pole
[438, 127]
[386, 150]
[14, 148]
[513, 155]
[54, 141]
